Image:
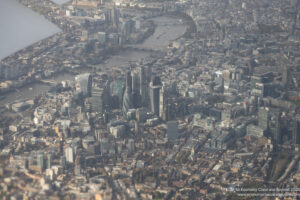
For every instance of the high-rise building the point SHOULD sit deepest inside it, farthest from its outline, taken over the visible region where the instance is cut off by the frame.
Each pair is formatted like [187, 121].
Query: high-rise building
[135, 90]
[115, 14]
[285, 69]
[127, 98]
[162, 102]
[77, 167]
[263, 118]
[296, 131]
[155, 87]
[143, 86]
[84, 84]
[131, 145]
[69, 154]
[100, 100]
[96, 100]
[135, 82]
[154, 99]
[40, 161]
[116, 93]
[141, 114]
[63, 161]
[275, 127]
[172, 130]
[49, 161]
[104, 146]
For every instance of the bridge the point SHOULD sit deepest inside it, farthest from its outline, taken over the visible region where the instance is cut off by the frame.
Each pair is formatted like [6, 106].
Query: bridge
[137, 48]
[51, 82]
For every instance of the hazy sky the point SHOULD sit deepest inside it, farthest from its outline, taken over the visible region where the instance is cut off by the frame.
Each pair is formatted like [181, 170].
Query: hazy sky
[20, 27]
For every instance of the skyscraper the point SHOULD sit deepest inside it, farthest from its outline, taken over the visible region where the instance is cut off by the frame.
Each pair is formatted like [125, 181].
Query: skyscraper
[97, 100]
[275, 127]
[84, 84]
[155, 87]
[63, 161]
[40, 161]
[115, 13]
[285, 76]
[143, 86]
[69, 155]
[49, 161]
[135, 90]
[131, 145]
[296, 131]
[172, 130]
[100, 100]
[127, 98]
[116, 93]
[162, 102]
[263, 118]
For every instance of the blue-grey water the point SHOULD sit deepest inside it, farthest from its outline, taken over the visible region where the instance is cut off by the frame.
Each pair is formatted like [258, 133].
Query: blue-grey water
[21, 27]
[60, 2]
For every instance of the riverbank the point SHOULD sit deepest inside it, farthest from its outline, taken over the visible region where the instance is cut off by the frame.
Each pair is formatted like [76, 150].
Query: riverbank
[118, 58]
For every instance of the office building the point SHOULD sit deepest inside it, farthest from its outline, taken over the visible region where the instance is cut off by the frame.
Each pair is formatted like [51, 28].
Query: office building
[296, 131]
[84, 84]
[49, 160]
[63, 161]
[172, 130]
[263, 118]
[40, 161]
[130, 145]
[143, 86]
[127, 98]
[69, 155]
[155, 87]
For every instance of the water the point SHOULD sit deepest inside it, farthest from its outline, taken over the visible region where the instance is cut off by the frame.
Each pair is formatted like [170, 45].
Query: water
[34, 89]
[60, 2]
[21, 27]
[166, 31]
[124, 58]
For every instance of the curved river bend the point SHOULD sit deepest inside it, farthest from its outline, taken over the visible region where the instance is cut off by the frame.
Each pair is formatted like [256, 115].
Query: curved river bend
[167, 30]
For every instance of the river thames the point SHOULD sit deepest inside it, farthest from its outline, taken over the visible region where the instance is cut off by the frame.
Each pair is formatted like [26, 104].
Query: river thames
[167, 30]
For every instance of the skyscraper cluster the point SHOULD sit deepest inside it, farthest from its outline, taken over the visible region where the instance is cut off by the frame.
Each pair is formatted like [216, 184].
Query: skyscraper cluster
[136, 89]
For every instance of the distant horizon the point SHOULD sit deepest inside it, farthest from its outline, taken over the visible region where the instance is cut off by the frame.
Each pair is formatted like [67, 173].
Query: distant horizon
[22, 29]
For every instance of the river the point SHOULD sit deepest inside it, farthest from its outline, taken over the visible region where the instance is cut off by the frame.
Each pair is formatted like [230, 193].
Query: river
[167, 30]
[60, 2]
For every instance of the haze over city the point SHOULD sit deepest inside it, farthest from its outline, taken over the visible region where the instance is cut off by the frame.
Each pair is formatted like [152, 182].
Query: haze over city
[160, 99]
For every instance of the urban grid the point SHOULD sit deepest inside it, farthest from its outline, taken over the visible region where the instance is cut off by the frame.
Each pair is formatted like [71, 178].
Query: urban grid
[214, 113]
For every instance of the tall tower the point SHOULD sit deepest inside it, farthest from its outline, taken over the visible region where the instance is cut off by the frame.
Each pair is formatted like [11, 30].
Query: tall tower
[162, 103]
[40, 161]
[296, 131]
[263, 118]
[115, 13]
[143, 85]
[155, 87]
[284, 69]
[135, 90]
[127, 98]
[84, 84]
[172, 130]
[275, 127]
